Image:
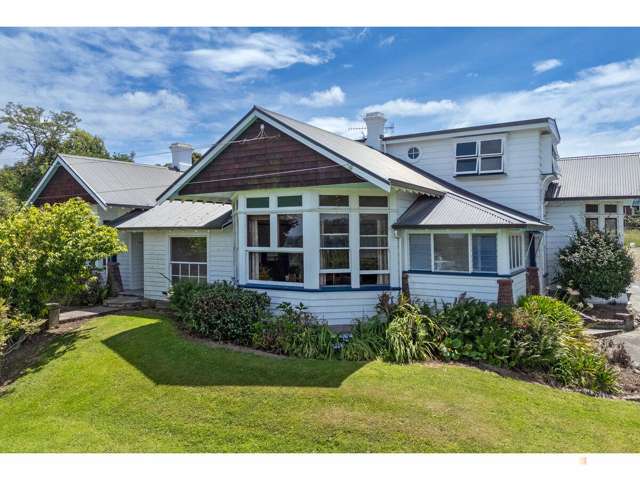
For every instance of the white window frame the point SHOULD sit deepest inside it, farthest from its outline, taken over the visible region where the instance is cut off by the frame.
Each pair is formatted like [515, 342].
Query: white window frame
[469, 234]
[347, 248]
[478, 156]
[171, 262]
[601, 215]
[366, 211]
[419, 153]
[516, 251]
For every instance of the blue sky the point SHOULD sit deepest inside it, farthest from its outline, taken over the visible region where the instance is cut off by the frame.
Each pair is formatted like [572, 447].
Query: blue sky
[142, 89]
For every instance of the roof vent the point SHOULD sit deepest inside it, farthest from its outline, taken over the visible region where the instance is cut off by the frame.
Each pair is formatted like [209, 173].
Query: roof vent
[181, 156]
[375, 128]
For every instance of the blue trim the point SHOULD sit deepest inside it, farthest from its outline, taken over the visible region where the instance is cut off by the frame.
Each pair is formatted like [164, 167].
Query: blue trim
[373, 288]
[467, 274]
[479, 174]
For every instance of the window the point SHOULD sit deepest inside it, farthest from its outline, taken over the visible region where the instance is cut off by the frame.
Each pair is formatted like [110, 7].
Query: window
[611, 226]
[371, 201]
[259, 202]
[290, 201]
[334, 250]
[258, 231]
[591, 208]
[374, 237]
[479, 157]
[188, 259]
[290, 231]
[591, 223]
[276, 267]
[413, 153]
[451, 252]
[334, 200]
[611, 208]
[420, 252]
[485, 253]
[516, 255]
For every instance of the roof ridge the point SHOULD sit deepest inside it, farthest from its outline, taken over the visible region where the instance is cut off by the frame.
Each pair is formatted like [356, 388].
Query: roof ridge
[599, 155]
[120, 162]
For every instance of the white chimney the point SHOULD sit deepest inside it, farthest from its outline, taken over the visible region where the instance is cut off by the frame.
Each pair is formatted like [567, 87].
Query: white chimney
[375, 128]
[181, 156]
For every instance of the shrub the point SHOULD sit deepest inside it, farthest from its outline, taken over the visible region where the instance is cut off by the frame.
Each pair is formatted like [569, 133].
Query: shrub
[220, 311]
[45, 253]
[296, 332]
[632, 221]
[92, 292]
[14, 328]
[366, 342]
[411, 335]
[596, 264]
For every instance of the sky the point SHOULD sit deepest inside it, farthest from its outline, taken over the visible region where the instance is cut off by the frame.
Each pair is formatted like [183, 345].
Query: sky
[143, 89]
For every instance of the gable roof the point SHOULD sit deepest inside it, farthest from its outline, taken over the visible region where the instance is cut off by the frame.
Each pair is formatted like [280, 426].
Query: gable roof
[597, 177]
[112, 182]
[364, 161]
[457, 211]
[176, 214]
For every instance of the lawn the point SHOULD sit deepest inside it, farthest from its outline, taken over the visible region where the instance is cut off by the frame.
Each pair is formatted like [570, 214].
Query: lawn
[134, 384]
[632, 235]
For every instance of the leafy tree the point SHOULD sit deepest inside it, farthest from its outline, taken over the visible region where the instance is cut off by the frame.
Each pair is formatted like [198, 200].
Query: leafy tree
[8, 204]
[195, 157]
[123, 157]
[81, 142]
[46, 253]
[596, 264]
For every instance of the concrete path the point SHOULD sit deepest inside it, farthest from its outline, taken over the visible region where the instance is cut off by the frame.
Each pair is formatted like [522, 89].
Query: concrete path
[86, 312]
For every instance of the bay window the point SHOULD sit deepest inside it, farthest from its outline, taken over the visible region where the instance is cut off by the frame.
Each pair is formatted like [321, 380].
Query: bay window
[188, 259]
[258, 230]
[453, 252]
[290, 231]
[276, 267]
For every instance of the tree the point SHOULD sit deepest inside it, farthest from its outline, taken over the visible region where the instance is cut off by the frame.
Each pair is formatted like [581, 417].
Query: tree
[123, 157]
[596, 264]
[195, 157]
[81, 142]
[46, 253]
[8, 204]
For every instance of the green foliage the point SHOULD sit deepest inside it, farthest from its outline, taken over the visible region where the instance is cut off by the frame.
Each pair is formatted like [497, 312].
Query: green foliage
[596, 264]
[366, 342]
[8, 204]
[14, 328]
[81, 142]
[295, 332]
[632, 221]
[220, 311]
[46, 253]
[411, 335]
[92, 292]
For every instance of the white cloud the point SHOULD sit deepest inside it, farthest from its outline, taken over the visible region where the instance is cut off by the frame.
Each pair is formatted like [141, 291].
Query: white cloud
[260, 51]
[386, 41]
[354, 129]
[546, 65]
[402, 107]
[323, 98]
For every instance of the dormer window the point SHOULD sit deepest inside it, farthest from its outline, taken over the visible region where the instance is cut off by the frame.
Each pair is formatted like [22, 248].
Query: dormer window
[479, 157]
[413, 153]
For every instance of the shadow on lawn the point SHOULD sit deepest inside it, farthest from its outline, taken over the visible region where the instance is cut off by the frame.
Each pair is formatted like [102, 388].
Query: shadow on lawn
[158, 352]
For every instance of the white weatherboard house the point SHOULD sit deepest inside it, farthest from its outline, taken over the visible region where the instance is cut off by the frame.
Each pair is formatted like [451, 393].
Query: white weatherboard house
[305, 215]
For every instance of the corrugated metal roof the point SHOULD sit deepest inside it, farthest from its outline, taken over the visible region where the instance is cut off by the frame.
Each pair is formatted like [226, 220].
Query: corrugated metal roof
[176, 214]
[457, 211]
[122, 183]
[362, 156]
[597, 176]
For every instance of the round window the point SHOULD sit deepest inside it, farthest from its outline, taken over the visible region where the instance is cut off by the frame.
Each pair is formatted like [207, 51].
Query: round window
[413, 153]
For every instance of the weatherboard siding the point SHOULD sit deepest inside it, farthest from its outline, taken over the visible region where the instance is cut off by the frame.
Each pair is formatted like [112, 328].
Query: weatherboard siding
[518, 188]
[446, 288]
[61, 188]
[156, 257]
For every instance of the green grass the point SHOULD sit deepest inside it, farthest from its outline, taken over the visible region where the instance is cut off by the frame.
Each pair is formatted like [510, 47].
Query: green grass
[632, 235]
[133, 384]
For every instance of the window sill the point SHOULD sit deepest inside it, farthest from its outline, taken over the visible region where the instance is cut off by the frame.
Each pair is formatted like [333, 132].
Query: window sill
[463, 274]
[322, 289]
[488, 174]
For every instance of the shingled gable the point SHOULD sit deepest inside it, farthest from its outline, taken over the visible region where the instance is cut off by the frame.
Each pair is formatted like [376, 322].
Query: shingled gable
[359, 162]
[59, 185]
[275, 161]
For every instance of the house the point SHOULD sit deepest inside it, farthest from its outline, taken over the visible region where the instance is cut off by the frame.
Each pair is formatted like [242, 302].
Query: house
[280, 206]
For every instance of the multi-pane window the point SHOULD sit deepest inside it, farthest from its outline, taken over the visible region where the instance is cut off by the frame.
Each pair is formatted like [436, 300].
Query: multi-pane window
[451, 252]
[290, 231]
[591, 208]
[276, 267]
[374, 248]
[516, 253]
[334, 250]
[258, 202]
[334, 200]
[478, 157]
[258, 230]
[591, 223]
[611, 225]
[188, 259]
[611, 208]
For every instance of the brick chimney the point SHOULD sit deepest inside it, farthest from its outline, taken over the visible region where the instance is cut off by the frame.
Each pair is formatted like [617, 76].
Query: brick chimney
[181, 156]
[375, 128]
